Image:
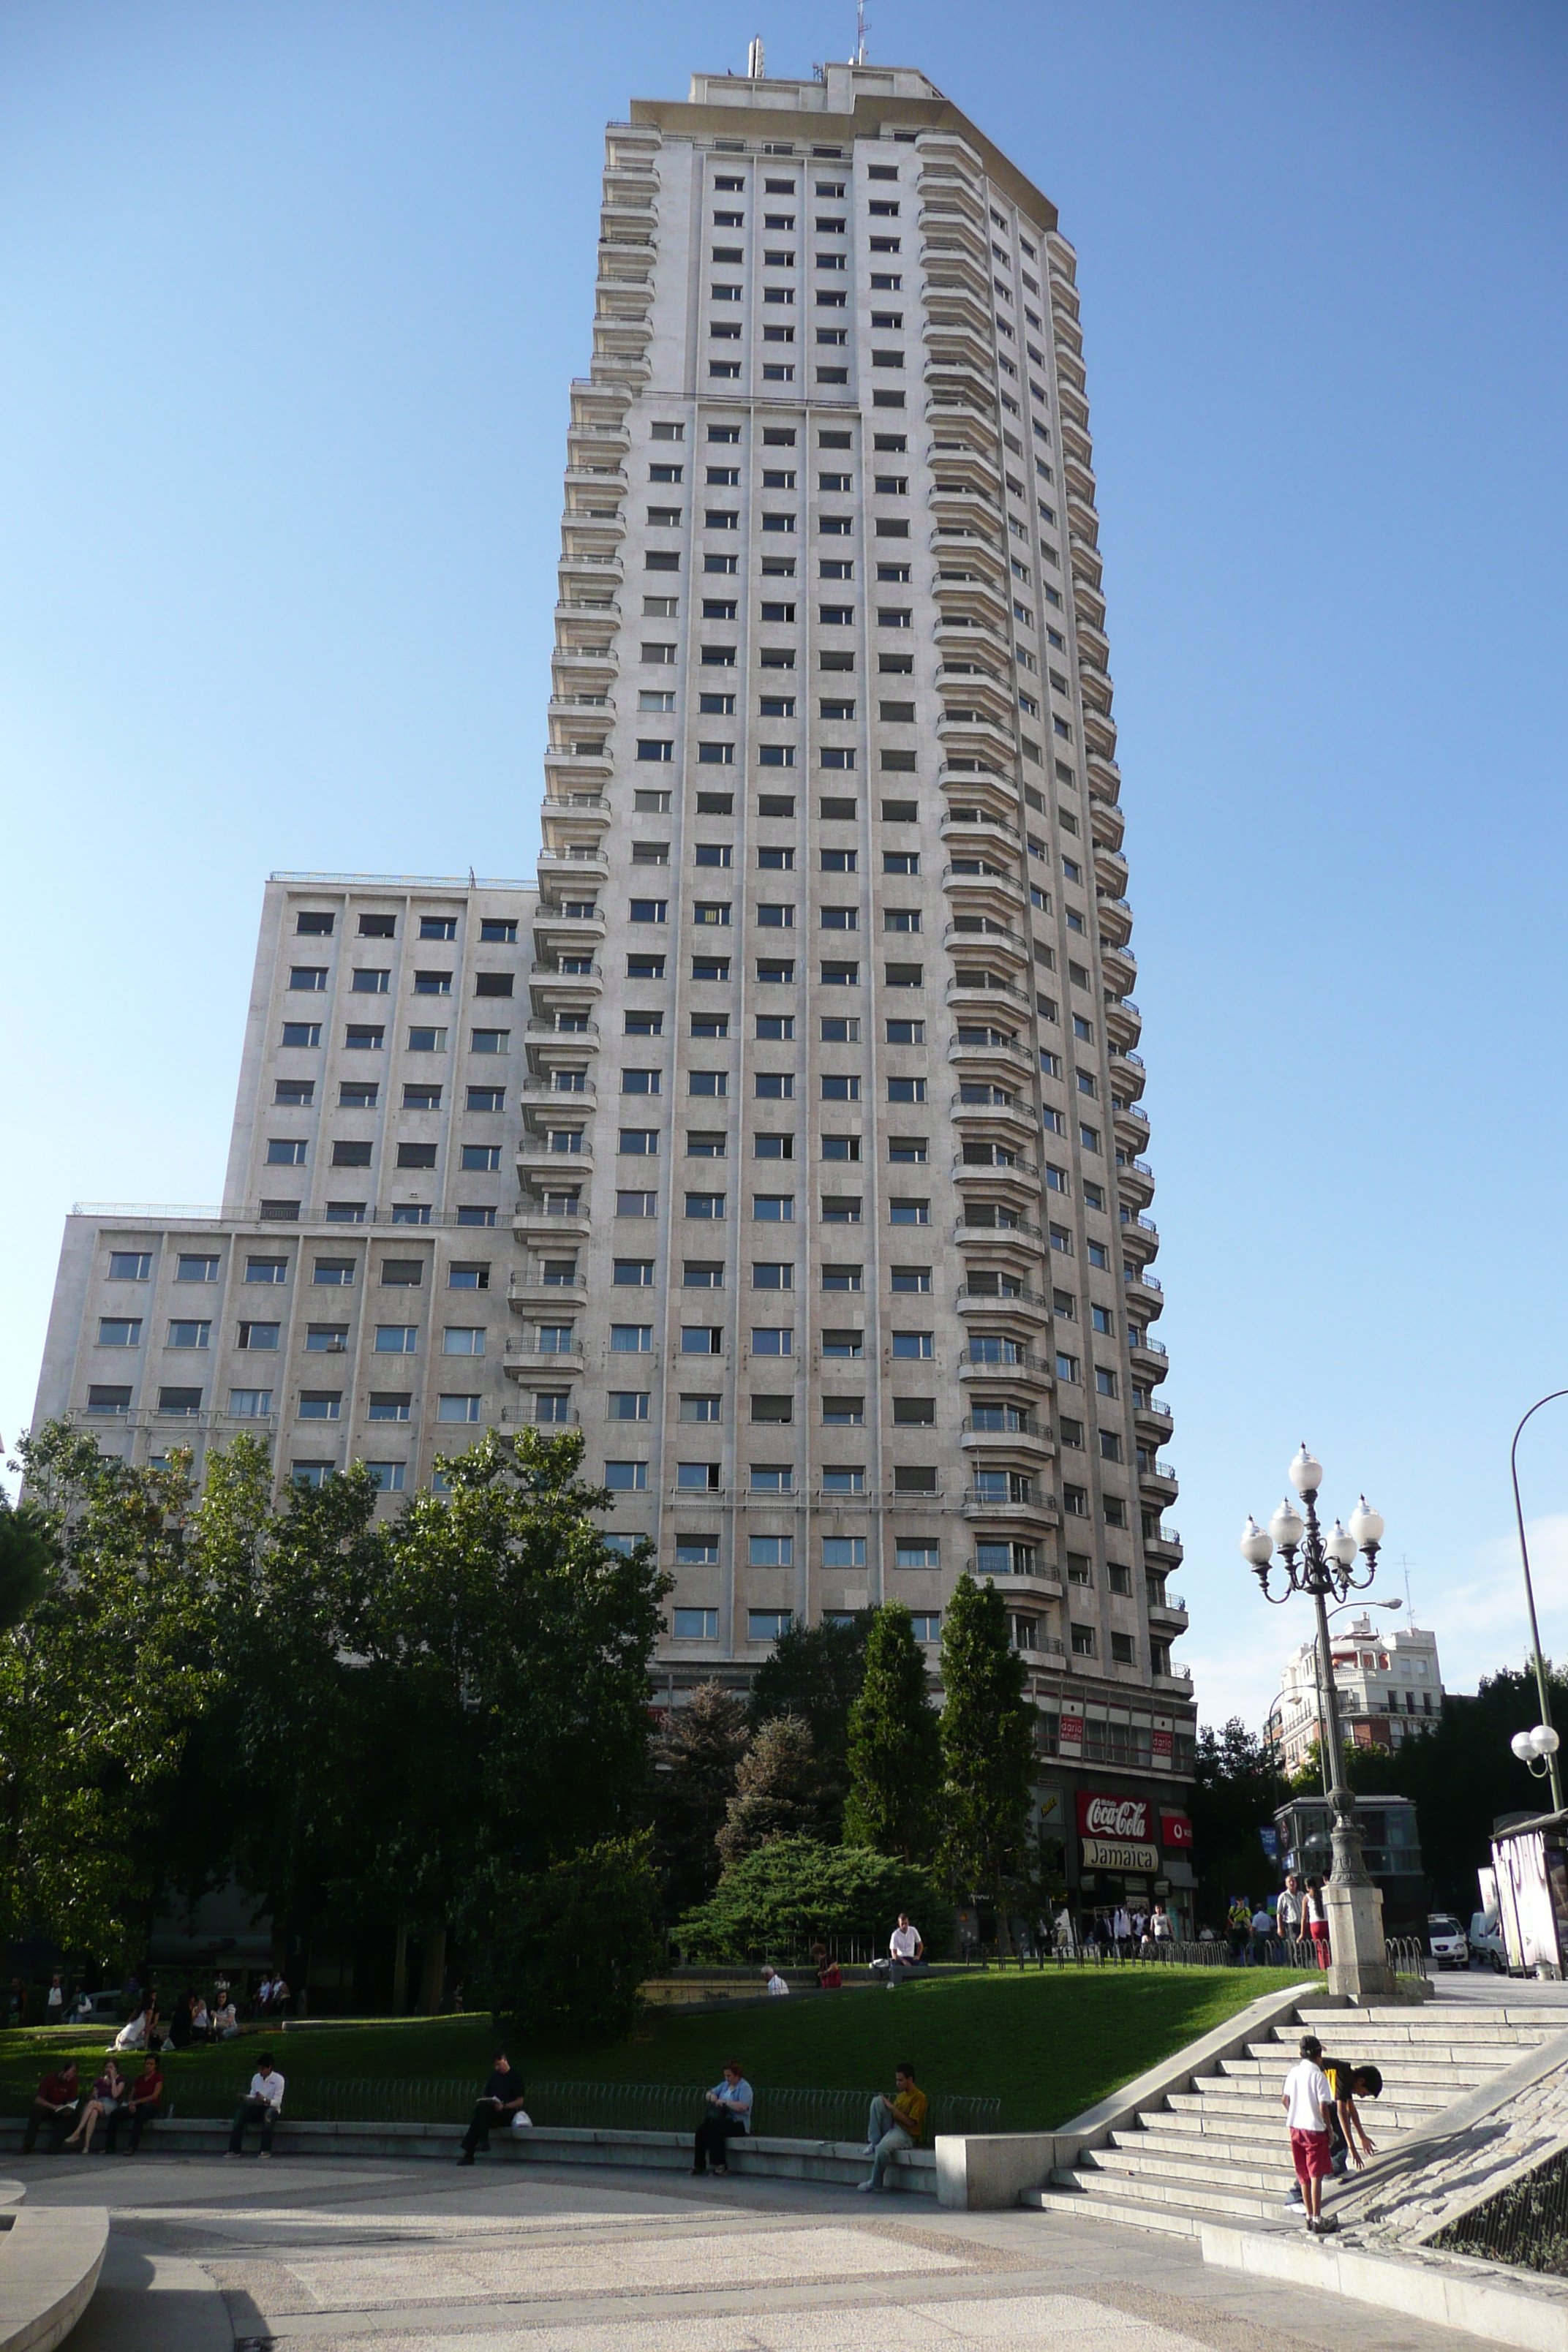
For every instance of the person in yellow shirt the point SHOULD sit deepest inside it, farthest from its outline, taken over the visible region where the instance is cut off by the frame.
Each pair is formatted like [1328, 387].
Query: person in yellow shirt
[895, 2123]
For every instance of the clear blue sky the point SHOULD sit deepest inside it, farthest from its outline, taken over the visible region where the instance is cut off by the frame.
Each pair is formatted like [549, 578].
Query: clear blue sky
[290, 299]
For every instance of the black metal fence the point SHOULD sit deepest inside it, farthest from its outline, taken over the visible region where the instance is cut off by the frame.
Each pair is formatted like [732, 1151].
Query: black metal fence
[1525, 2224]
[779, 2113]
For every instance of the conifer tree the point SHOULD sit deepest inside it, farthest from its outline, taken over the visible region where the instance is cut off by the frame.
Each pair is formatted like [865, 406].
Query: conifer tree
[988, 1746]
[895, 1759]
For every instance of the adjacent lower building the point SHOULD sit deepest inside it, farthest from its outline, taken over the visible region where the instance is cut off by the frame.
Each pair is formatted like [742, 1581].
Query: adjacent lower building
[1389, 1686]
[787, 1138]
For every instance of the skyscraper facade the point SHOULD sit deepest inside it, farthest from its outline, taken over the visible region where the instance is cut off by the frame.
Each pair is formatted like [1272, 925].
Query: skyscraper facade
[830, 1227]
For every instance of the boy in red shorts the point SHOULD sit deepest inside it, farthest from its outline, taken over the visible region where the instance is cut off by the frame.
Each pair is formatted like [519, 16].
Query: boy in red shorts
[1307, 2099]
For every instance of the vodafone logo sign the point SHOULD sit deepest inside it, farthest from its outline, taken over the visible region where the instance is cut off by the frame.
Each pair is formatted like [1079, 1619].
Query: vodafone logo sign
[1113, 1817]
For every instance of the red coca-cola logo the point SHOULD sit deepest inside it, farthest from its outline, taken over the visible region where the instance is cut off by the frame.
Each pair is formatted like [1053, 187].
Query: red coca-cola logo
[1113, 1817]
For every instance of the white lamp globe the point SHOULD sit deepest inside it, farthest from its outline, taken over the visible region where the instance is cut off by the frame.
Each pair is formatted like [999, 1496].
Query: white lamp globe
[1524, 1746]
[1286, 1527]
[1366, 1525]
[1341, 1546]
[1306, 1472]
[1256, 1547]
[1546, 1741]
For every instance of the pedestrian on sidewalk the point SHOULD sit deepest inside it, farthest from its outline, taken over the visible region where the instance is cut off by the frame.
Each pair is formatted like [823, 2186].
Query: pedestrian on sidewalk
[896, 2122]
[1287, 1911]
[1315, 1920]
[500, 2099]
[729, 2116]
[1307, 2100]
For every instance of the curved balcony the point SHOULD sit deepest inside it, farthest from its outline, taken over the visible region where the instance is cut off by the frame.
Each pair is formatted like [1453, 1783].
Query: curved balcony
[586, 611]
[980, 599]
[991, 945]
[978, 794]
[555, 932]
[1098, 731]
[1013, 1117]
[1020, 1366]
[1164, 1548]
[547, 1042]
[1004, 1185]
[1126, 1071]
[520, 1361]
[958, 505]
[970, 991]
[1030, 1440]
[964, 728]
[1160, 1484]
[959, 635]
[541, 1161]
[541, 1098]
[1143, 1291]
[563, 813]
[1151, 1357]
[1039, 1510]
[1114, 917]
[1132, 1128]
[1017, 1233]
[1120, 966]
[1170, 1613]
[550, 985]
[1005, 1053]
[560, 869]
[1104, 775]
[992, 889]
[529, 1293]
[1123, 1023]
[534, 1221]
[1021, 1306]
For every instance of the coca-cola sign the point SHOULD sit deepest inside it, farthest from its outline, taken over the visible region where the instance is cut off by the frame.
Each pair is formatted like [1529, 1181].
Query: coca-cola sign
[1100, 1816]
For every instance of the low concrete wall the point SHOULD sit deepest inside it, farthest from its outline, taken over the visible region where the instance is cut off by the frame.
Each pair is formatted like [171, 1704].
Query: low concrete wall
[49, 2264]
[981, 2172]
[835, 2163]
[1450, 2292]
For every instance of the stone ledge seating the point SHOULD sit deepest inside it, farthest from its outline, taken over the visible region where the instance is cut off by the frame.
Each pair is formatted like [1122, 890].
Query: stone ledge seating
[837, 2163]
[1218, 2152]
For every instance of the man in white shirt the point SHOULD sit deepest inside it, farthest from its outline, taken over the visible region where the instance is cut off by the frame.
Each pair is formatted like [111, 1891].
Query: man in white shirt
[905, 1950]
[263, 2105]
[1287, 1911]
[1306, 2099]
[774, 1982]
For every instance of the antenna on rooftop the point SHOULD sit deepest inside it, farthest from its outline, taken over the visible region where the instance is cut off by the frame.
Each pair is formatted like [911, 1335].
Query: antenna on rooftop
[1409, 1605]
[860, 32]
[756, 61]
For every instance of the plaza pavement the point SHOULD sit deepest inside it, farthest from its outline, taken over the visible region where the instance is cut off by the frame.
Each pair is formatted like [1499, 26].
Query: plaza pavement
[213, 2256]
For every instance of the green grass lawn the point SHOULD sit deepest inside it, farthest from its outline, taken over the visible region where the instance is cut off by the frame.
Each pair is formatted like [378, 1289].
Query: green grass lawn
[1047, 2044]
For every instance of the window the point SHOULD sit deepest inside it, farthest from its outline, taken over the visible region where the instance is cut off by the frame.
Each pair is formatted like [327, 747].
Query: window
[773, 1147]
[132, 1265]
[119, 1330]
[631, 1338]
[308, 979]
[626, 1477]
[842, 1551]
[1068, 1367]
[695, 1624]
[633, 1273]
[639, 1142]
[390, 1404]
[467, 1277]
[1123, 1650]
[186, 1402]
[709, 1206]
[772, 1409]
[630, 1404]
[1103, 1320]
[914, 1343]
[701, 1339]
[842, 1413]
[697, 1477]
[772, 1479]
[773, 1208]
[190, 1335]
[632, 1204]
[768, 1624]
[700, 1407]
[263, 1336]
[285, 1153]
[908, 1211]
[451, 1407]
[321, 1404]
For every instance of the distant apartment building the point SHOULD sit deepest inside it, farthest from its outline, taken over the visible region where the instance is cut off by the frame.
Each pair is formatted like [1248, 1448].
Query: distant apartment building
[1388, 1684]
[789, 1143]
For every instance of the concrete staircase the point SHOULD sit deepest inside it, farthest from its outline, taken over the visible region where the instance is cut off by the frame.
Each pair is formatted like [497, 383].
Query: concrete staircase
[1218, 2152]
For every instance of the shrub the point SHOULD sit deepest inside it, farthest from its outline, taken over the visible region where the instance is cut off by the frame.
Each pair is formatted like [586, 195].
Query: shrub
[569, 1946]
[793, 1890]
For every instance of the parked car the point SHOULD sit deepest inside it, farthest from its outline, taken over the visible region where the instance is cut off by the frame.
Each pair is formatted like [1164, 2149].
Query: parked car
[1486, 1942]
[1446, 1941]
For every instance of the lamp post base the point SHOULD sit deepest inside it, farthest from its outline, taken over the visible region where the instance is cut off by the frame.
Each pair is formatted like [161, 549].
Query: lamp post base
[1359, 1969]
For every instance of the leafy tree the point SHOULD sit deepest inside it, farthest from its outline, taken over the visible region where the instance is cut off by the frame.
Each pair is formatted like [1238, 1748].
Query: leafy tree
[785, 1895]
[1463, 1777]
[101, 1680]
[987, 1746]
[565, 1950]
[1237, 1789]
[780, 1790]
[814, 1672]
[27, 1555]
[895, 1747]
[695, 1758]
[1366, 1770]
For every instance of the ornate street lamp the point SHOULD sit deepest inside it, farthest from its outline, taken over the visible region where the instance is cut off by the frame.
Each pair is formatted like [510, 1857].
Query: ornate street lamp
[1537, 1748]
[1323, 1566]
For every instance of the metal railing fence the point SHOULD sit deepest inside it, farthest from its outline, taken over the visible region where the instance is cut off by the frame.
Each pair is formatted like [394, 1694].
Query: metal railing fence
[1525, 2224]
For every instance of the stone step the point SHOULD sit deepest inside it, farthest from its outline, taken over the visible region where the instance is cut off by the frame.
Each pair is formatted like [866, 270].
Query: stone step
[1256, 2170]
[1457, 2073]
[1083, 2205]
[1147, 2189]
[1223, 2147]
[1358, 2036]
[1196, 2120]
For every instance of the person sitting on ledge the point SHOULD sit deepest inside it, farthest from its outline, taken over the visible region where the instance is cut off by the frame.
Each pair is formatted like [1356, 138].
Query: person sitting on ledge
[728, 2118]
[54, 2110]
[105, 2096]
[140, 2109]
[500, 2099]
[896, 2122]
[263, 2105]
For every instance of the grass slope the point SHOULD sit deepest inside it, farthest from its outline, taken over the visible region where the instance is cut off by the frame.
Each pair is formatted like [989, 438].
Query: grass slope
[1048, 2045]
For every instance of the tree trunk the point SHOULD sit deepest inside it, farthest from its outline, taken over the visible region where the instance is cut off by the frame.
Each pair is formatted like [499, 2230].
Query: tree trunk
[400, 1973]
[433, 1972]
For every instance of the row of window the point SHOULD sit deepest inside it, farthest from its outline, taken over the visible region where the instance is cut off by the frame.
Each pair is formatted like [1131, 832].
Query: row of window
[366, 1037]
[256, 1404]
[311, 980]
[290, 1151]
[364, 1093]
[315, 923]
[357, 1212]
[717, 914]
[321, 1338]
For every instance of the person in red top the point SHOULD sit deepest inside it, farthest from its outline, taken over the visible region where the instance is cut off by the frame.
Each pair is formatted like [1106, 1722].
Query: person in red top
[55, 2108]
[146, 2092]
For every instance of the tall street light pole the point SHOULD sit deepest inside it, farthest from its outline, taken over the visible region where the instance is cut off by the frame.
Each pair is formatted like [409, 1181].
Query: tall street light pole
[1319, 1566]
[1531, 1745]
